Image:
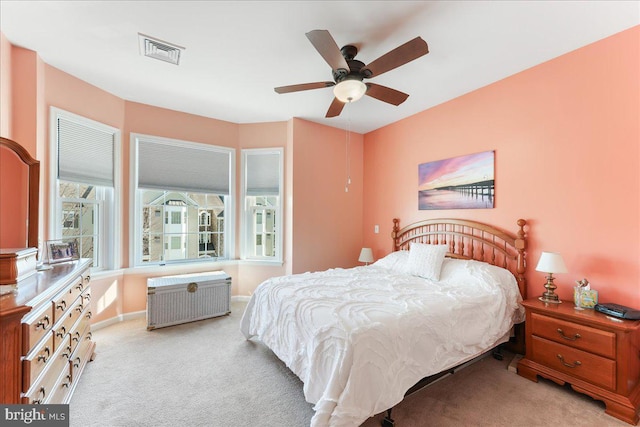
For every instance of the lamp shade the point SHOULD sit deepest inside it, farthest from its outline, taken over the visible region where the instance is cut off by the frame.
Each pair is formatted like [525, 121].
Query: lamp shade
[551, 262]
[366, 255]
[349, 90]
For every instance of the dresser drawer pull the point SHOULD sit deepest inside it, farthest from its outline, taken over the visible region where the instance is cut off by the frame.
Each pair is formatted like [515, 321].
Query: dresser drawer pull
[67, 353]
[76, 362]
[44, 358]
[61, 332]
[62, 305]
[88, 315]
[87, 279]
[79, 308]
[569, 365]
[68, 382]
[39, 401]
[87, 297]
[76, 338]
[575, 337]
[80, 287]
[44, 323]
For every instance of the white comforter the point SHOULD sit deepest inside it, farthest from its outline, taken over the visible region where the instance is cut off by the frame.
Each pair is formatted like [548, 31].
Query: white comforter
[360, 338]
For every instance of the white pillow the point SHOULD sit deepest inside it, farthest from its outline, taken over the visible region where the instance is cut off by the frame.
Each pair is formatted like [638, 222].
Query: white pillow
[395, 261]
[426, 260]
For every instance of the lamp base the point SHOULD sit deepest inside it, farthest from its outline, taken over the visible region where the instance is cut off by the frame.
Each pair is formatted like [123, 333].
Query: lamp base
[551, 300]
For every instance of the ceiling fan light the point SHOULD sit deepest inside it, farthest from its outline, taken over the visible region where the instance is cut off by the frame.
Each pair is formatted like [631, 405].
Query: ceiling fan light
[349, 90]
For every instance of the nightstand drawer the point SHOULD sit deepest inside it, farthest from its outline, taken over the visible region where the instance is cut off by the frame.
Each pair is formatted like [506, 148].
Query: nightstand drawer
[577, 363]
[572, 334]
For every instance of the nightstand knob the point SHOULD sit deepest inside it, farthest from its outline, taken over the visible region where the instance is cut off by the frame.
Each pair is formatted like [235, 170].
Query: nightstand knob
[569, 365]
[575, 337]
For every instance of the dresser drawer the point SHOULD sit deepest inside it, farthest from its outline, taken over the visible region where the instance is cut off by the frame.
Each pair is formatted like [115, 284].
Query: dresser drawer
[64, 299]
[36, 361]
[81, 285]
[82, 354]
[61, 389]
[35, 326]
[40, 390]
[577, 363]
[79, 326]
[575, 335]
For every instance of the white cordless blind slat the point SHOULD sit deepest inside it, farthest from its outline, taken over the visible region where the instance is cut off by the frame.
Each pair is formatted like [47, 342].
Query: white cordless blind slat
[85, 154]
[183, 167]
[263, 174]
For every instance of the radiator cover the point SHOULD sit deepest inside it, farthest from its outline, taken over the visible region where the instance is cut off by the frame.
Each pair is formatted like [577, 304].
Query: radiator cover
[173, 300]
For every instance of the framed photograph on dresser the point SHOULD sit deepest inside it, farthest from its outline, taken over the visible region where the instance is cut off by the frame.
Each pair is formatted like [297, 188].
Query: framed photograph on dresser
[62, 250]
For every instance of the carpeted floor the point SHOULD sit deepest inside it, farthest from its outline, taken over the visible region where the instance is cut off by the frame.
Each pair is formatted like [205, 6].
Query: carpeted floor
[206, 374]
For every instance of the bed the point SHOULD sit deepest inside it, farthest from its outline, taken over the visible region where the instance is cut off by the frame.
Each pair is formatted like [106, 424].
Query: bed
[360, 338]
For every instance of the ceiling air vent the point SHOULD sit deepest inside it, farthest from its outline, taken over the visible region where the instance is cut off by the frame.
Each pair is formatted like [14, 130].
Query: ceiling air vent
[158, 49]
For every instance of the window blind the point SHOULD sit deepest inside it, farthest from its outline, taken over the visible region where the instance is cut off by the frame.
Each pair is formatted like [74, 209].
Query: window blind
[262, 174]
[85, 154]
[192, 167]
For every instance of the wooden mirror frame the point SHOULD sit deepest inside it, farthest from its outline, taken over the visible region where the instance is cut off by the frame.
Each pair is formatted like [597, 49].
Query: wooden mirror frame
[34, 188]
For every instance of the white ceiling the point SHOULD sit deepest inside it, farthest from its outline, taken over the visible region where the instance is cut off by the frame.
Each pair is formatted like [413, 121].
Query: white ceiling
[238, 51]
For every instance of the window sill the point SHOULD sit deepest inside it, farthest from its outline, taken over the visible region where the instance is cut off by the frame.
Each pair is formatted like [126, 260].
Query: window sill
[179, 268]
[273, 263]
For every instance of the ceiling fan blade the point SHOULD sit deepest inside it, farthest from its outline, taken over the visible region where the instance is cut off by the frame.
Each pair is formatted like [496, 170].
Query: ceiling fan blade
[386, 94]
[399, 56]
[327, 47]
[335, 108]
[303, 86]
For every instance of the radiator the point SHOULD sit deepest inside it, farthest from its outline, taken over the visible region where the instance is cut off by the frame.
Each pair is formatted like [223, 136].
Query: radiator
[172, 300]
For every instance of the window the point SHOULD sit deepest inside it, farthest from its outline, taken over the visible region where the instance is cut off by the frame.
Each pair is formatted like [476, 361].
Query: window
[84, 176]
[262, 184]
[182, 197]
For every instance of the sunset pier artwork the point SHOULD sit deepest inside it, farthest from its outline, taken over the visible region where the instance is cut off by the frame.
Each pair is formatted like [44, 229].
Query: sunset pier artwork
[465, 182]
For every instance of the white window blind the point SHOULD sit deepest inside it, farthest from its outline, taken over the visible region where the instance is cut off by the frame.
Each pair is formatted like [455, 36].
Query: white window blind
[85, 154]
[263, 174]
[183, 167]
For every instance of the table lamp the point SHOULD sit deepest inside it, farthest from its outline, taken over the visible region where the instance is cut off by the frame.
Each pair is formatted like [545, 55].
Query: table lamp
[550, 262]
[366, 256]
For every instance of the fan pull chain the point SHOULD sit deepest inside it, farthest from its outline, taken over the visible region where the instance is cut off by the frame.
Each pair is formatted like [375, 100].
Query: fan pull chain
[347, 147]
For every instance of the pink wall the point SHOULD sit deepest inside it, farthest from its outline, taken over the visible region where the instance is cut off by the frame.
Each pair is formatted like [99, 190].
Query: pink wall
[5, 86]
[326, 230]
[567, 139]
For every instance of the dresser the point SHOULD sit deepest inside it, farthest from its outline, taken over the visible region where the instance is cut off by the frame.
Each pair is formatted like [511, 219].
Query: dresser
[46, 336]
[598, 355]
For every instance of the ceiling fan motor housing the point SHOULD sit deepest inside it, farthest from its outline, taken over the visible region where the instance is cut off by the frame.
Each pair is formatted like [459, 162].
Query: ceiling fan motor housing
[356, 69]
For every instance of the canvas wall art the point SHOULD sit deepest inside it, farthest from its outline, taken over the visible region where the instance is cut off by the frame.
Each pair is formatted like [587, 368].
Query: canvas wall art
[464, 182]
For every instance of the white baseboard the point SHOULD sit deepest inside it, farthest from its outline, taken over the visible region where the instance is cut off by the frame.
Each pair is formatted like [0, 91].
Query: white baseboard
[119, 318]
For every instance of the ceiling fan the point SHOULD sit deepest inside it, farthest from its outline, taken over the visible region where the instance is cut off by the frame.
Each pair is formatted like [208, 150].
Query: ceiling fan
[349, 73]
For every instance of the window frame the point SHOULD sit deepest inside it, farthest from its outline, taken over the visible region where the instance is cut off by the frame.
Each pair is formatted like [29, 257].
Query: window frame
[108, 199]
[248, 237]
[135, 214]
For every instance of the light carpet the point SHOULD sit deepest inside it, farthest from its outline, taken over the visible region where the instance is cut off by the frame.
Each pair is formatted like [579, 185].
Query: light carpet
[207, 374]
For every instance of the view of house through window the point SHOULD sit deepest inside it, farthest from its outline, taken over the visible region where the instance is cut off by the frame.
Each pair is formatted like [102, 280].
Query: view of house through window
[263, 212]
[262, 196]
[80, 210]
[181, 226]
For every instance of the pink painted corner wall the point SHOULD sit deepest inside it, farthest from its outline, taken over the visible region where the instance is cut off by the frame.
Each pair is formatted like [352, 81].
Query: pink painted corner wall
[566, 135]
[326, 231]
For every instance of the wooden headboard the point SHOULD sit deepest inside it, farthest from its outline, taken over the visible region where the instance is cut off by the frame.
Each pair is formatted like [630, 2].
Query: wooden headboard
[470, 240]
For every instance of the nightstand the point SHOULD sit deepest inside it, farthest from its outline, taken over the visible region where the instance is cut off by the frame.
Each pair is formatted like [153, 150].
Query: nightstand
[598, 356]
